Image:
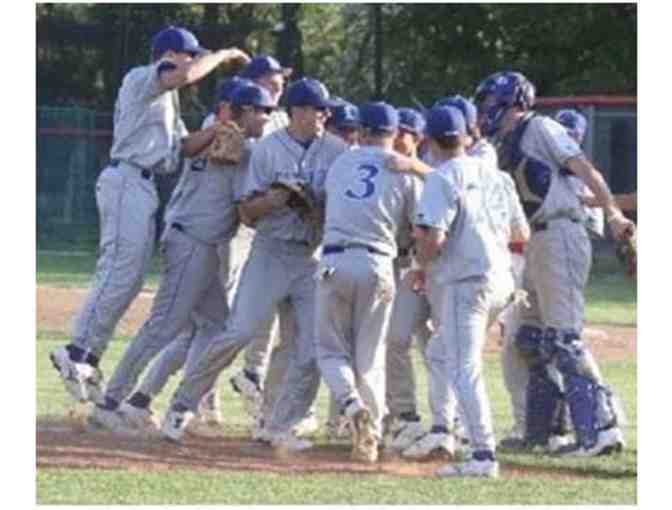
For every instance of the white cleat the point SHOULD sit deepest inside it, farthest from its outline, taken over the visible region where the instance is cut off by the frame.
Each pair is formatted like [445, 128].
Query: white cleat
[143, 420]
[557, 443]
[289, 443]
[113, 421]
[174, 424]
[250, 391]
[404, 434]
[73, 374]
[471, 468]
[209, 411]
[260, 432]
[307, 426]
[608, 441]
[431, 445]
[364, 440]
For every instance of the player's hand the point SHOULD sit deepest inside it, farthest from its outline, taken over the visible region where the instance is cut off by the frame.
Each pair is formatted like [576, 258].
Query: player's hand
[416, 280]
[234, 56]
[277, 197]
[621, 227]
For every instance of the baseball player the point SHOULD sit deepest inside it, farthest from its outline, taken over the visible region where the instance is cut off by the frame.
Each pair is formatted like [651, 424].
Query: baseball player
[203, 215]
[345, 123]
[409, 317]
[458, 250]
[535, 149]
[173, 357]
[368, 207]
[149, 138]
[281, 265]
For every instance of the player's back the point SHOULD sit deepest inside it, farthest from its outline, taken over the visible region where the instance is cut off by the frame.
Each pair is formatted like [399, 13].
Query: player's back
[367, 204]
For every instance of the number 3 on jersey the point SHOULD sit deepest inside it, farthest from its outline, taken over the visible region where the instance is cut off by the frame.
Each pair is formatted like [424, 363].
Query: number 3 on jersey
[365, 184]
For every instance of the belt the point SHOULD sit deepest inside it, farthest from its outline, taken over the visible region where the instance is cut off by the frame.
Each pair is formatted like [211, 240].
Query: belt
[144, 173]
[177, 226]
[543, 225]
[335, 248]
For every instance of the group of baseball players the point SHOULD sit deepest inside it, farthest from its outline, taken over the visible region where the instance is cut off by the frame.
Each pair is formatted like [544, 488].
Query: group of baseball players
[426, 226]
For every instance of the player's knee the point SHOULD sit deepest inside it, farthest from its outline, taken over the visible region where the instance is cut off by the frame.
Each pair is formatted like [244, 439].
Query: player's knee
[570, 350]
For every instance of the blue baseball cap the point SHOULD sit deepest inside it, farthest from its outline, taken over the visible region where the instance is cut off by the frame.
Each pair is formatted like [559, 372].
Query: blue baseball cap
[228, 87]
[309, 92]
[411, 120]
[345, 115]
[252, 95]
[177, 39]
[445, 121]
[467, 108]
[574, 122]
[379, 116]
[262, 65]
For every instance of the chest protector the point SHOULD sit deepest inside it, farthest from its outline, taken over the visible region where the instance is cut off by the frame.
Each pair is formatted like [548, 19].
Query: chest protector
[531, 176]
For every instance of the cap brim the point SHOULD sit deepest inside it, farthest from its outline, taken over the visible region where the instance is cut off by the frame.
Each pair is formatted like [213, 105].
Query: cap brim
[199, 52]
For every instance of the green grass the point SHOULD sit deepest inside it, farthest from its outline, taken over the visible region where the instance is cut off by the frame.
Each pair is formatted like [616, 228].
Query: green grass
[611, 297]
[608, 480]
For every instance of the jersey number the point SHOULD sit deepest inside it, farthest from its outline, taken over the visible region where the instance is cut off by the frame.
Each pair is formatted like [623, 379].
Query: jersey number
[366, 175]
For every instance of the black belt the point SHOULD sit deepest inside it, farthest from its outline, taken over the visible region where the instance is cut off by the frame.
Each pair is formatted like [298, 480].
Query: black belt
[144, 173]
[543, 225]
[334, 248]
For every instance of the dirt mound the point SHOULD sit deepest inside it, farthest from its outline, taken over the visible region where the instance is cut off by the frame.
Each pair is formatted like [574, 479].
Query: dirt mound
[60, 446]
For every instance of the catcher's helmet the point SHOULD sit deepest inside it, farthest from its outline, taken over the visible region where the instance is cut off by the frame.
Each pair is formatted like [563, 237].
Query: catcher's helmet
[574, 122]
[499, 92]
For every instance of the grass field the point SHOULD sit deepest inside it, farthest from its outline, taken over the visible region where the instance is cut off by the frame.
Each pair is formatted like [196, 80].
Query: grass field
[609, 480]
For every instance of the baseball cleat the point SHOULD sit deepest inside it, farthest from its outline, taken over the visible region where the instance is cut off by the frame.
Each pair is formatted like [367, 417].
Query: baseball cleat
[112, 420]
[431, 445]
[139, 418]
[307, 426]
[175, 424]
[365, 443]
[288, 442]
[473, 467]
[209, 411]
[260, 432]
[250, 390]
[557, 443]
[608, 441]
[73, 374]
[338, 428]
[404, 434]
[514, 440]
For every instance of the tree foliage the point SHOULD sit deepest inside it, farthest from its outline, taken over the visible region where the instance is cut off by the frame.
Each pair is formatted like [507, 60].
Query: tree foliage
[428, 50]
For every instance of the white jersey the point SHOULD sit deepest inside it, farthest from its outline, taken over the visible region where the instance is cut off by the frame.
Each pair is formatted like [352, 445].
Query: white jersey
[368, 204]
[279, 157]
[454, 200]
[147, 126]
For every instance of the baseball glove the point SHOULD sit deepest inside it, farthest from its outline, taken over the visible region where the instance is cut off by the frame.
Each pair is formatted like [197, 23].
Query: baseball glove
[626, 251]
[300, 198]
[228, 146]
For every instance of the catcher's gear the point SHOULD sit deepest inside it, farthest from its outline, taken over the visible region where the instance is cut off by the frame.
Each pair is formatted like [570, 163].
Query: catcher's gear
[626, 252]
[300, 199]
[228, 146]
[499, 92]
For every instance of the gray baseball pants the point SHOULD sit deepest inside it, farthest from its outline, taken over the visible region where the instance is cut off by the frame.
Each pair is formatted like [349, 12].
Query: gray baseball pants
[354, 305]
[189, 284]
[127, 206]
[276, 271]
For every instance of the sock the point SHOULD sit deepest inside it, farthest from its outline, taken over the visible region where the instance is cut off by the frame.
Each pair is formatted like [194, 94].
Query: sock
[410, 416]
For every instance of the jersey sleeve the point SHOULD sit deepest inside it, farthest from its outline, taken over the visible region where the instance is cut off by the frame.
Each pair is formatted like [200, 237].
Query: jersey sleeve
[438, 203]
[557, 143]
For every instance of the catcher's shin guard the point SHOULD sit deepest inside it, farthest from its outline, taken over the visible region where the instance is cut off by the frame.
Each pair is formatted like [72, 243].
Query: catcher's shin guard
[545, 412]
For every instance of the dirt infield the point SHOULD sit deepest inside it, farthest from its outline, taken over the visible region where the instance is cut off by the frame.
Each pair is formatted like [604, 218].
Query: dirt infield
[56, 308]
[59, 446]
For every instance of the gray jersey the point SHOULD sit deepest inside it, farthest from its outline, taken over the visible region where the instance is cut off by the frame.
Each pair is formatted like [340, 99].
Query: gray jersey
[147, 124]
[454, 200]
[547, 140]
[368, 204]
[278, 156]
